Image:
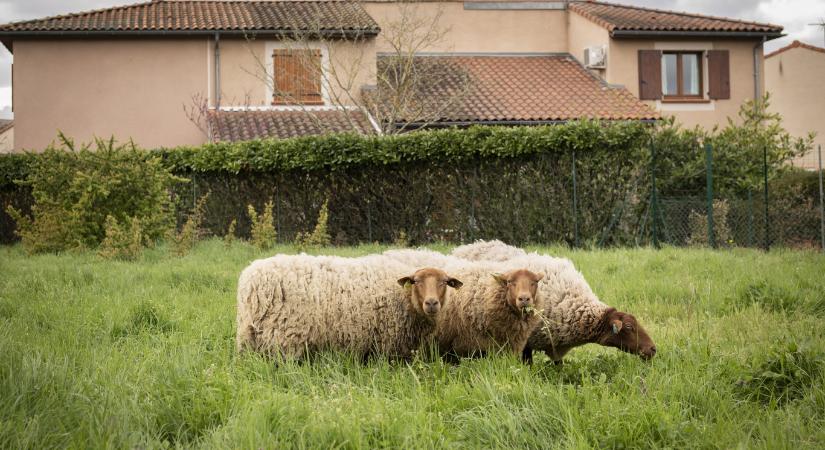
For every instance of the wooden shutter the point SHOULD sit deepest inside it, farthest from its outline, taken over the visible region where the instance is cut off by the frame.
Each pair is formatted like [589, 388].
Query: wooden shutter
[719, 74]
[297, 76]
[650, 74]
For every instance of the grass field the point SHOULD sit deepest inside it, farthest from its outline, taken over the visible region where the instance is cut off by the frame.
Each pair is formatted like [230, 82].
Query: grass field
[113, 354]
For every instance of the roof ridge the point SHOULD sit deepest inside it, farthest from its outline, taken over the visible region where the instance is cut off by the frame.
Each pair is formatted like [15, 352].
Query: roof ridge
[796, 44]
[678, 13]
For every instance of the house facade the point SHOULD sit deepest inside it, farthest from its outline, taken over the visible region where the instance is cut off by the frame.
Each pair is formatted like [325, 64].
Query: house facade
[793, 77]
[184, 72]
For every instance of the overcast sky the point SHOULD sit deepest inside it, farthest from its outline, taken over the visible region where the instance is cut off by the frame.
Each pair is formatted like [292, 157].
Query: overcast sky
[794, 15]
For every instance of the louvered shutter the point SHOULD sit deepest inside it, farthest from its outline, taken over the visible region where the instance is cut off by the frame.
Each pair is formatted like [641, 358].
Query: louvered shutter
[719, 74]
[297, 77]
[650, 74]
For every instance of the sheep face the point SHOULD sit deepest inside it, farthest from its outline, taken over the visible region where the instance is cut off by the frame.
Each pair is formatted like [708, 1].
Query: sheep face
[623, 331]
[521, 286]
[429, 289]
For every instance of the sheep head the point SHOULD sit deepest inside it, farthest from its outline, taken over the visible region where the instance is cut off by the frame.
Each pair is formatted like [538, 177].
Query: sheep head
[622, 330]
[429, 289]
[520, 289]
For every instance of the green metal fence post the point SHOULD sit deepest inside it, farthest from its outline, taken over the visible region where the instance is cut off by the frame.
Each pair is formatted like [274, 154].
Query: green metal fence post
[575, 205]
[821, 203]
[767, 217]
[654, 198]
[709, 176]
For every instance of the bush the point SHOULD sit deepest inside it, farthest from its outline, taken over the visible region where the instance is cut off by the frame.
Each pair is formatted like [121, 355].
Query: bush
[76, 189]
[320, 236]
[263, 232]
[229, 238]
[191, 232]
[122, 241]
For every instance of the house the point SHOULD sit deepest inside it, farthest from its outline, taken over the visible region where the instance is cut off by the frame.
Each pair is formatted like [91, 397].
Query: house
[793, 77]
[182, 72]
[6, 136]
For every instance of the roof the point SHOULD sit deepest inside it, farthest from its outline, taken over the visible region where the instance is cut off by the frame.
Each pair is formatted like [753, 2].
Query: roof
[6, 125]
[634, 20]
[192, 17]
[795, 44]
[244, 125]
[528, 88]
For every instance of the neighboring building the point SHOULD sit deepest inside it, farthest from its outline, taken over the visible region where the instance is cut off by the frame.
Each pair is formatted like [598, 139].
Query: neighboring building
[6, 136]
[183, 72]
[794, 77]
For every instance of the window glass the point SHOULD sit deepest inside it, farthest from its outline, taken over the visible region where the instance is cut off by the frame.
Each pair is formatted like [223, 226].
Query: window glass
[690, 74]
[670, 84]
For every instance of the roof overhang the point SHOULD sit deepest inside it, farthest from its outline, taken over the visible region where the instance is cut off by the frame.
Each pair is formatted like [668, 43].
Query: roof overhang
[330, 33]
[619, 34]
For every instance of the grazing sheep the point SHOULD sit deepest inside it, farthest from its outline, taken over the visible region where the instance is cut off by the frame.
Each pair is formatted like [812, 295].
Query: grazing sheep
[491, 312]
[574, 315]
[482, 250]
[297, 304]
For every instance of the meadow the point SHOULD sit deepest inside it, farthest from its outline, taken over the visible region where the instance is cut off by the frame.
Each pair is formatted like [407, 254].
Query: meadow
[96, 354]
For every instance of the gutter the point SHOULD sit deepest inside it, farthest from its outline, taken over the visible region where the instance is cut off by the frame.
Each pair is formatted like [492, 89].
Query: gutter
[218, 70]
[756, 49]
[698, 34]
[416, 125]
[163, 33]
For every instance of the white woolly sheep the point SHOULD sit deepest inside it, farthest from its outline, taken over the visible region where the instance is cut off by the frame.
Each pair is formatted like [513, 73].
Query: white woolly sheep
[482, 250]
[573, 314]
[294, 304]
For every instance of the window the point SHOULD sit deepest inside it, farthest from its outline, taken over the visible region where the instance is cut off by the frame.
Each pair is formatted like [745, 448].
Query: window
[682, 74]
[297, 77]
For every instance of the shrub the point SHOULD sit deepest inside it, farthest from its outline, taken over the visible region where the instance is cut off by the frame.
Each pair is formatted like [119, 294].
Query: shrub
[320, 235]
[263, 231]
[229, 238]
[122, 241]
[76, 189]
[191, 232]
[699, 226]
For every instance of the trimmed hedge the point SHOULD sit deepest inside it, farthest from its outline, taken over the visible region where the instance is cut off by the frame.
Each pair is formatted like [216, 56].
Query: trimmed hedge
[451, 184]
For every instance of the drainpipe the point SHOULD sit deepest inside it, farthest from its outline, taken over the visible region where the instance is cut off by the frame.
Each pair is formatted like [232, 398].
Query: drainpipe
[217, 70]
[756, 49]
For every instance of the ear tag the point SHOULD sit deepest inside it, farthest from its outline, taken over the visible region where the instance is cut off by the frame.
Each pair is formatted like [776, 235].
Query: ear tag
[615, 329]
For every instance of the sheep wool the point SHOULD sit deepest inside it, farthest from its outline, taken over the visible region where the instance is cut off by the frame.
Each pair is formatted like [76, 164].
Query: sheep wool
[420, 257]
[294, 304]
[478, 320]
[481, 250]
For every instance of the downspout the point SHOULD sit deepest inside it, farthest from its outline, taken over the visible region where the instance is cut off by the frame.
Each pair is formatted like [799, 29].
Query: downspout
[756, 49]
[217, 71]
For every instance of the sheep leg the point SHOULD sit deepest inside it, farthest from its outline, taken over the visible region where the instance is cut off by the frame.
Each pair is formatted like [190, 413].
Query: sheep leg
[527, 355]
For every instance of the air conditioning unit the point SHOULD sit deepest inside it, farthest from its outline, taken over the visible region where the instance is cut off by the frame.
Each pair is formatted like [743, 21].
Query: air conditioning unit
[595, 57]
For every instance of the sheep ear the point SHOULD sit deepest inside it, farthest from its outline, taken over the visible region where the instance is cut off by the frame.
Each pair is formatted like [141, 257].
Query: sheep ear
[403, 281]
[617, 326]
[539, 276]
[502, 280]
[454, 283]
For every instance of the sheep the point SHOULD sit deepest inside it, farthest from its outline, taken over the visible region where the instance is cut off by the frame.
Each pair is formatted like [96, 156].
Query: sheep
[493, 311]
[481, 250]
[574, 315]
[294, 305]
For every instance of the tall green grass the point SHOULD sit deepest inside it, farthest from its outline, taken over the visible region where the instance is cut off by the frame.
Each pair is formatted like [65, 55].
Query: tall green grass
[96, 353]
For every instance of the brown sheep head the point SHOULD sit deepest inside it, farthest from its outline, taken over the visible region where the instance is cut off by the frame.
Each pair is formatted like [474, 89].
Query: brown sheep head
[521, 286]
[622, 330]
[429, 289]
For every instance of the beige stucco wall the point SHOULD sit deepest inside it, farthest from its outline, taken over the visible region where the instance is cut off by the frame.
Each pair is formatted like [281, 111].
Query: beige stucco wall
[7, 141]
[623, 69]
[794, 79]
[512, 31]
[583, 33]
[246, 77]
[127, 88]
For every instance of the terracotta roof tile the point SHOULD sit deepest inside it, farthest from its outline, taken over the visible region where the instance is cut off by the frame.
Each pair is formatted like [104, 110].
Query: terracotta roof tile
[795, 44]
[633, 18]
[211, 15]
[530, 88]
[246, 125]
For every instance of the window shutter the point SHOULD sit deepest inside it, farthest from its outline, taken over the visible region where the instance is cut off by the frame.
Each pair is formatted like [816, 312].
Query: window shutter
[297, 77]
[650, 74]
[719, 74]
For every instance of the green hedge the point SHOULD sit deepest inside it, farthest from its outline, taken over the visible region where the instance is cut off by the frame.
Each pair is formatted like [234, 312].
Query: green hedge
[452, 184]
